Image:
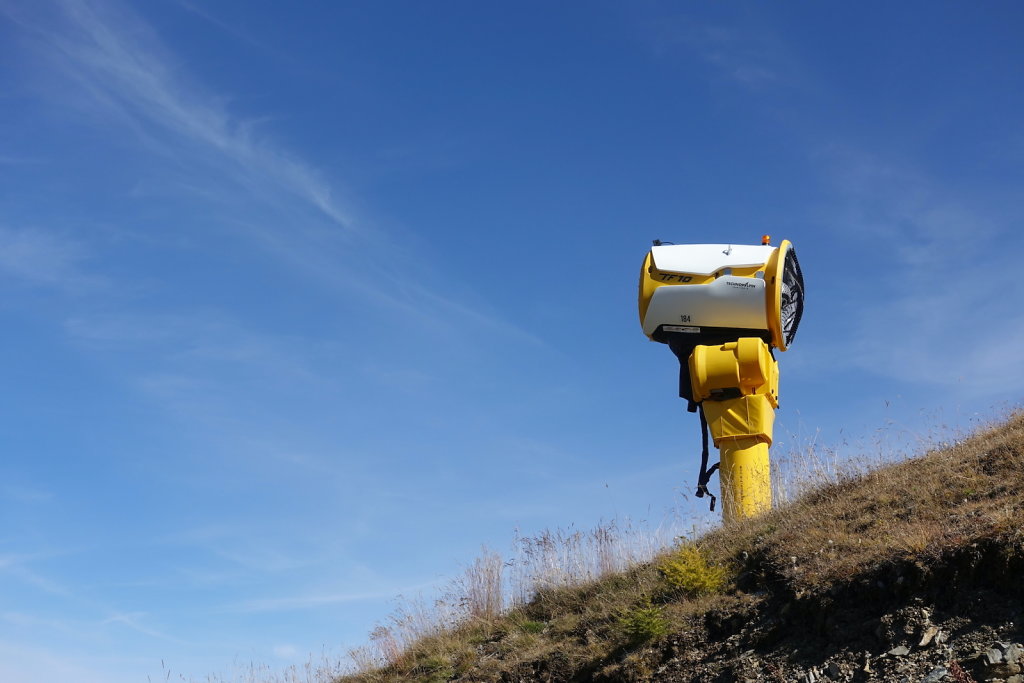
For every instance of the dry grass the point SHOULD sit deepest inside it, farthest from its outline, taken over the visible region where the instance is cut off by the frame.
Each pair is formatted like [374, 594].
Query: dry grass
[508, 599]
[581, 596]
[913, 509]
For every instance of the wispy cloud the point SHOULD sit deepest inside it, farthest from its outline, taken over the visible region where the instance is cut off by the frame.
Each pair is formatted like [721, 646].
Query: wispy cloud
[91, 613]
[227, 551]
[19, 568]
[232, 29]
[199, 337]
[21, 493]
[120, 59]
[42, 258]
[312, 601]
[21, 663]
[285, 651]
[23, 620]
[749, 55]
[261, 192]
[939, 310]
[134, 621]
[746, 57]
[373, 588]
[221, 378]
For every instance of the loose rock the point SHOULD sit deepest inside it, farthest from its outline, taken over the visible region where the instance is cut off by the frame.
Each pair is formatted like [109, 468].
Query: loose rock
[939, 673]
[928, 635]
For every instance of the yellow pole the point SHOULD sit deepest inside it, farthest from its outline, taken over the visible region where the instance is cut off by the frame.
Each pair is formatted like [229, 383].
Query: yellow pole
[746, 478]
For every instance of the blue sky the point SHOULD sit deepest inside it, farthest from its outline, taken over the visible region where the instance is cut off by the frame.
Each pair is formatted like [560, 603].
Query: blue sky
[303, 304]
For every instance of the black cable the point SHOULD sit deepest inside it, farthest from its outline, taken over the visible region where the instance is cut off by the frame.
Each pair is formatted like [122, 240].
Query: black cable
[705, 473]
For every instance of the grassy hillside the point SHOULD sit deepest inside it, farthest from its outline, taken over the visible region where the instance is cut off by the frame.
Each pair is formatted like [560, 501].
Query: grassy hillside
[909, 572]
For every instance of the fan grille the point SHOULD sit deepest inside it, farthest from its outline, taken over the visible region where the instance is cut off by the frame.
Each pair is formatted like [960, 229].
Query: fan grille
[792, 296]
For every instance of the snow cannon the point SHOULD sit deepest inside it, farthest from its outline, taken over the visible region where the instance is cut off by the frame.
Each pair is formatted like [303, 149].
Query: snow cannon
[723, 310]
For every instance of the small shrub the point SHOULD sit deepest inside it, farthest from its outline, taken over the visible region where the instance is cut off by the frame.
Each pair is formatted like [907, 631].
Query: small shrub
[434, 669]
[689, 570]
[532, 626]
[432, 663]
[644, 623]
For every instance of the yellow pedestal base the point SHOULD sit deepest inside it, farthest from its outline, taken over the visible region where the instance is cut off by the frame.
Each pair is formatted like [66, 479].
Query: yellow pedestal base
[746, 478]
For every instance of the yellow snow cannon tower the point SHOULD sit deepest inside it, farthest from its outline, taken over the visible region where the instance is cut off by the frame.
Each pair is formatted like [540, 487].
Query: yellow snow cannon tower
[724, 309]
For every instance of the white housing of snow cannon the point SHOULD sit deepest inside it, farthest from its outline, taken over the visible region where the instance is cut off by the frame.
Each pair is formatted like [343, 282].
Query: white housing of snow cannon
[719, 292]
